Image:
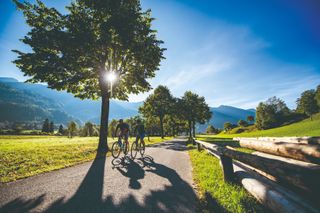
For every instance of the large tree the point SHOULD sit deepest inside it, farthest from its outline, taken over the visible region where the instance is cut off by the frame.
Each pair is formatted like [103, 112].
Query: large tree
[72, 129]
[46, 126]
[77, 49]
[307, 103]
[158, 104]
[194, 109]
[317, 96]
[271, 113]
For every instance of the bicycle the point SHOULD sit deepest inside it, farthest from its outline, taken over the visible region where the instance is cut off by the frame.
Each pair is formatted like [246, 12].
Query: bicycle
[117, 147]
[137, 146]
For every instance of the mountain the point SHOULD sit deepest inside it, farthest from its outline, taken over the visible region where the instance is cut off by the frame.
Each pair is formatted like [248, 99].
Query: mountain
[36, 100]
[224, 114]
[83, 110]
[8, 80]
[22, 106]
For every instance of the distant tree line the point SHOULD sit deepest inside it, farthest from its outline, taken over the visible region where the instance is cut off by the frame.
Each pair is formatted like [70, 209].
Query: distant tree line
[274, 112]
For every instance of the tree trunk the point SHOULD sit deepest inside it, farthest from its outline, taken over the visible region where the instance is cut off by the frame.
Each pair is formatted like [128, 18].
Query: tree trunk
[103, 136]
[194, 128]
[190, 129]
[161, 126]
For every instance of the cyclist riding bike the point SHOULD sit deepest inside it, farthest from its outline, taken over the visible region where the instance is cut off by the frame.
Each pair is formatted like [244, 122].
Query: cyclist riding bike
[124, 132]
[140, 131]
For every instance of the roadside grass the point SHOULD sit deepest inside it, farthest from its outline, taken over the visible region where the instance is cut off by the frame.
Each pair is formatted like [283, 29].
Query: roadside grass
[154, 140]
[216, 195]
[25, 156]
[305, 127]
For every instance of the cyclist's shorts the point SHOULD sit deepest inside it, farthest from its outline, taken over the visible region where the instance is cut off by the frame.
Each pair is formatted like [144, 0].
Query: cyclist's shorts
[141, 136]
[125, 135]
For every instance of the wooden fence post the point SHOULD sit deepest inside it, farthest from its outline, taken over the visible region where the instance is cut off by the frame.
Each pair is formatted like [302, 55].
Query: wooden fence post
[199, 146]
[193, 141]
[227, 168]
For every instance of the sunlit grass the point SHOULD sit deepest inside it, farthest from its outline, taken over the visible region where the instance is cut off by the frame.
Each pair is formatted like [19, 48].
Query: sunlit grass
[306, 127]
[215, 194]
[24, 156]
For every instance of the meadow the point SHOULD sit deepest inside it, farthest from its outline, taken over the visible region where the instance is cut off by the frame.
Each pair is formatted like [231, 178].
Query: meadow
[24, 156]
[305, 127]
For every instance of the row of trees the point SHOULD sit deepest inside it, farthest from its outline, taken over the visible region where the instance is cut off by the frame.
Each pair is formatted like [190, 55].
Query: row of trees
[48, 126]
[89, 129]
[174, 113]
[274, 112]
[241, 123]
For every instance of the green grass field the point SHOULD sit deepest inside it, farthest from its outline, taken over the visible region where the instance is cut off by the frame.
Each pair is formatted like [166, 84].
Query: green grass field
[208, 176]
[306, 127]
[24, 156]
[215, 194]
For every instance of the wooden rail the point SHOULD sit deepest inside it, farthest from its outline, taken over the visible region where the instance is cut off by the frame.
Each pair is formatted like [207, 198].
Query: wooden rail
[303, 176]
[301, 140]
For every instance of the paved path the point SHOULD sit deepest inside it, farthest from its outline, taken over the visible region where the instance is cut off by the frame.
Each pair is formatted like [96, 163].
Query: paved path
[159, 182]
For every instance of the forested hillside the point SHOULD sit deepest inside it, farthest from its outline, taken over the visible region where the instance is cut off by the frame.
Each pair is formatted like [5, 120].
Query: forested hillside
[21, 106]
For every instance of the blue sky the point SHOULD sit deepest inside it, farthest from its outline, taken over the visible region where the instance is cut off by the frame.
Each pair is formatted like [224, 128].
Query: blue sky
[232, 52]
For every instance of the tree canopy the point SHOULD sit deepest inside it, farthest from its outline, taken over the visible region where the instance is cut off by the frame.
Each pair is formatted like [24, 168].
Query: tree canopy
[158, 104]
[242, 123]
[250, 118]
[307, 103]
[194, 109]
[227, 126]
[271, 113]
[317, 96]
[210, 129]
[74, 51]
[72, 128]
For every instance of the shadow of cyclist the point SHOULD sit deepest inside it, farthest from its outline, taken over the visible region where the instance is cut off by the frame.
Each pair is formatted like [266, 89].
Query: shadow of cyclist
[130, 169]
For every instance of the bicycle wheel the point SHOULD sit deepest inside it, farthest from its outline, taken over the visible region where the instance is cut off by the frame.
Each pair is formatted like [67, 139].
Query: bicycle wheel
[134, 150]
[116, 149]
[126, 148]
[142, 148]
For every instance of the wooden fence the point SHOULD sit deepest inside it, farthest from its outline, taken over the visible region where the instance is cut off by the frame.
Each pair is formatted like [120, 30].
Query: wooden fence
[283, 174]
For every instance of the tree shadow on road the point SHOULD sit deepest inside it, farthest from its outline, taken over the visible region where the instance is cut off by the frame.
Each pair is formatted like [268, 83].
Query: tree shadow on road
[19, 205]
[176, 197]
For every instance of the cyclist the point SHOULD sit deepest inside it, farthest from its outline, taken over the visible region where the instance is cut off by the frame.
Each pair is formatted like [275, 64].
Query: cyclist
[140, 131]
[124, 131]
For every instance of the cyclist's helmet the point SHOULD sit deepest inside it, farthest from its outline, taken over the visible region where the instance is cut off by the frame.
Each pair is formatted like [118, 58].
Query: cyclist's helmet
[138, 121]
[121, 121]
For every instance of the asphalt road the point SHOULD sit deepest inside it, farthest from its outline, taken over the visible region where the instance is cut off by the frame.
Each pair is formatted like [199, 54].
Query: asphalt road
[161, 181]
